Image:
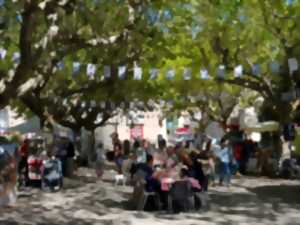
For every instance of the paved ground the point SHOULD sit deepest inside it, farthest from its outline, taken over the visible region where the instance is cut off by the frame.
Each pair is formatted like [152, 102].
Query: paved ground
[85, 202]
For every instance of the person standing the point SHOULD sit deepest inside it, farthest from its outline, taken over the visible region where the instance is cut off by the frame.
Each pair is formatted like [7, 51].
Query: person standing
[225, 156]
[70, 158]
[23, 163]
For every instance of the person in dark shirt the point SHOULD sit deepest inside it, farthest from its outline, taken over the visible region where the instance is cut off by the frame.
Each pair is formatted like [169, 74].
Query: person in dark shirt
[194, 169]
[23, 163]
[152, 183]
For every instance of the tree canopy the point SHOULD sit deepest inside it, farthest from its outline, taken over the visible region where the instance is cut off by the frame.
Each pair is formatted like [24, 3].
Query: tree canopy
[51, 44]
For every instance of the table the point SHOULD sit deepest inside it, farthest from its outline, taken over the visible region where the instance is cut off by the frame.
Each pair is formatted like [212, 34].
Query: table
[167, 182]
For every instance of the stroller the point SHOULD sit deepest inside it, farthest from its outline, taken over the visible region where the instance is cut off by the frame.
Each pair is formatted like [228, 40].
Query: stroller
[52, 177]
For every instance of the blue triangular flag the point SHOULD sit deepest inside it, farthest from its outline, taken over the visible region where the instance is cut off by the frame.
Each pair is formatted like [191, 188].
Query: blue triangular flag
[238, 71]
[76, 67]
[122, 72]
[293, 65]
[187, 73]
[107, 72]
[170, 74]
[256, 69]
[60, 65]
[221, 72]
[274, 67]
[153, 74]
[16, 57]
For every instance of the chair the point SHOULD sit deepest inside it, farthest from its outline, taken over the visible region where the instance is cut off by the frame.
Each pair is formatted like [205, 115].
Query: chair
[203, 198]
[145, 197]
[181, 192]
[120, 178]
[140, 195]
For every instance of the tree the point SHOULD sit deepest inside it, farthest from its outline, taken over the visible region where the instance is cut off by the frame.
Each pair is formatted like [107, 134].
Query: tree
[59, 94]
[250, 33]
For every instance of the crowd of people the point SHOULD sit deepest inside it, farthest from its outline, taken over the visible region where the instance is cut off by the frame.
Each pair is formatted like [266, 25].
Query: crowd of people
[216, 159]
[213, 164]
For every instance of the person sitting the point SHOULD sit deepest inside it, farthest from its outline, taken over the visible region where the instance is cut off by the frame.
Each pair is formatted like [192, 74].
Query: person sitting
[194, 169]
[152, 183]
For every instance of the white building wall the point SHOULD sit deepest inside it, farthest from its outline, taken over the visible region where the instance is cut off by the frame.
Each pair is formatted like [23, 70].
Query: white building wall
[119, 124]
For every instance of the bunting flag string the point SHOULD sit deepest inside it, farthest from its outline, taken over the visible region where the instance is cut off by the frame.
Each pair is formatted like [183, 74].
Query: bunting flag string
[138, 73]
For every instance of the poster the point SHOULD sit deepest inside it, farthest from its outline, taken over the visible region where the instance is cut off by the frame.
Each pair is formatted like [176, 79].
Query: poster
[137, 132]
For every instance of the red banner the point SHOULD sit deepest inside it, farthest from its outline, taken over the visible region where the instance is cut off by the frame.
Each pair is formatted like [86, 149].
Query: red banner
[137, 132]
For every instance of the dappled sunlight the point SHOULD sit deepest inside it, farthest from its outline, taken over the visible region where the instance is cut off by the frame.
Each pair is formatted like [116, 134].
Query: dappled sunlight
[246, 201]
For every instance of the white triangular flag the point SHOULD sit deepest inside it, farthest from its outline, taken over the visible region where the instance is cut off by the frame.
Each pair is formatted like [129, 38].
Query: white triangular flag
[274, 67]
[221, 72]
[16, 57]
[102, 105]
[112, 105]
[2, 53]
[122, 105]
[170, 74]
[293, 65]
[93, 104]
[122, 72]
[138, 73]
[65, 102]
[238, 71]
[256, 70]
[76, 67]
[131, 105]
[153, 74]
[91, 70]
[107, 72]
[204, 74]
[187, 74]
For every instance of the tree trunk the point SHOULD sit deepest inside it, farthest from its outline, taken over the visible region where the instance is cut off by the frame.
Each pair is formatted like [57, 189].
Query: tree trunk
[88, 147]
